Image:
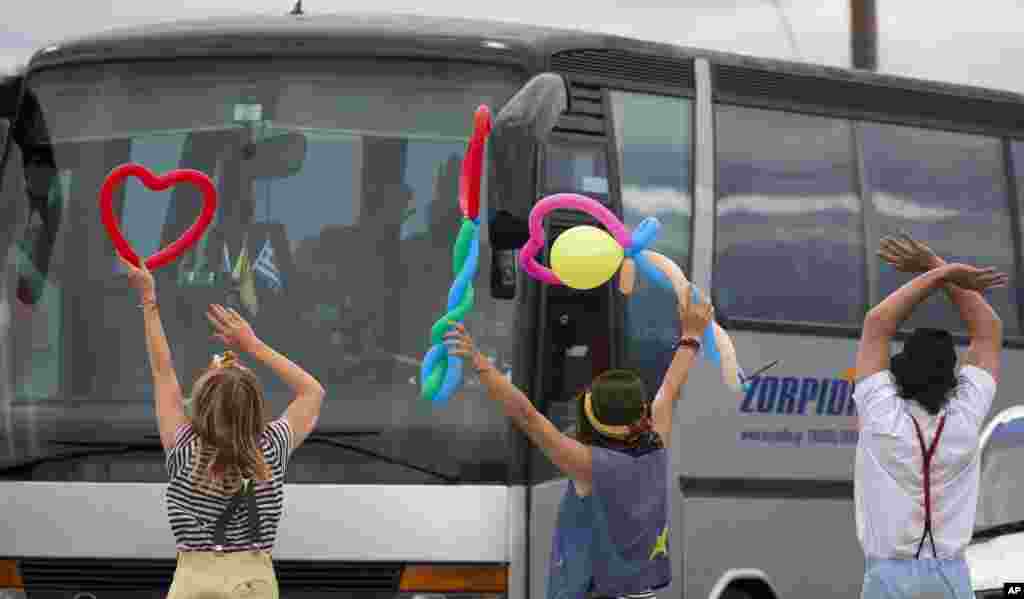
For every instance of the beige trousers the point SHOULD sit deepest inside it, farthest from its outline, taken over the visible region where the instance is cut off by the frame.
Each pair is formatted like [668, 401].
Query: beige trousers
[215, 575]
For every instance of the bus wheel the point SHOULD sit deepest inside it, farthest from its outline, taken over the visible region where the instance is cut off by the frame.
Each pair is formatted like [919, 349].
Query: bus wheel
[734, 593]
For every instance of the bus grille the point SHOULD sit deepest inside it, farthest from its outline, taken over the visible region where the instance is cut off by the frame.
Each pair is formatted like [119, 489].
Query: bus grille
[120, 574]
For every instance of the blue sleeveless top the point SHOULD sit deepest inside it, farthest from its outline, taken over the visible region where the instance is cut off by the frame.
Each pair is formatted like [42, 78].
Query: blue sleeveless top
[615, 540]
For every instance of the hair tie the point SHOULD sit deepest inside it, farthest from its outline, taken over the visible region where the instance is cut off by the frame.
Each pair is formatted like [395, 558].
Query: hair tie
[228, 359]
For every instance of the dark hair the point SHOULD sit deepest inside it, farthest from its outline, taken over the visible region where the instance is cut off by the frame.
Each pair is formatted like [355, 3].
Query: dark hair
[617, 397]
[925, 369]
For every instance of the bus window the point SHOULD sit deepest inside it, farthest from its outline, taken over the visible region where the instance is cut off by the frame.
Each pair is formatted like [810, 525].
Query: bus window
[948, 190]
[653, 143]
[788, 230]
[576, 167]
[38, 374]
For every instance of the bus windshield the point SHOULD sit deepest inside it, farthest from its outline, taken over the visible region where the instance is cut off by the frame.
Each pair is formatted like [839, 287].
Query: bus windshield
[338, 210]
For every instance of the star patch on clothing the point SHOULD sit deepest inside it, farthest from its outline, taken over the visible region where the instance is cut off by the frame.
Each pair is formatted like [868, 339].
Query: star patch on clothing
[661, 545]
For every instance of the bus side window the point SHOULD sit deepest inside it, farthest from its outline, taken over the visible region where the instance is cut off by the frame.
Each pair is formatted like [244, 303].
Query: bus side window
[653, 139]
[38, 297]
[788, 230]
[950, 191]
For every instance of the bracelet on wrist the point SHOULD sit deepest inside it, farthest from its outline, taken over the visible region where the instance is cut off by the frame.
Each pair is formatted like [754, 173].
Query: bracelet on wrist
[687, 341]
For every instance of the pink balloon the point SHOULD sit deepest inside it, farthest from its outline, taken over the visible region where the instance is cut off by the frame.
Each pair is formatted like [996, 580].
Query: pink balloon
[571, 201]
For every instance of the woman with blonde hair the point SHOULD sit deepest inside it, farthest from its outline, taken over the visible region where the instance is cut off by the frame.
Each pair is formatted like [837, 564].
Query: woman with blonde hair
[226, 462]
[611, 539]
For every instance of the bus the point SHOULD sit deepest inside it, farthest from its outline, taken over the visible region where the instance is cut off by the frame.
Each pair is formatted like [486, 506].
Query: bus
[335, 144]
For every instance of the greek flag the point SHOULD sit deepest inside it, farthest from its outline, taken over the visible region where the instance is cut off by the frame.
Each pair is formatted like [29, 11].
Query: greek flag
[266, 269]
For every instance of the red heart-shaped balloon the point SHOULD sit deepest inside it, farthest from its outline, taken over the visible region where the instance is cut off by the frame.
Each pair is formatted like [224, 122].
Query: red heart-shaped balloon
[157, 183]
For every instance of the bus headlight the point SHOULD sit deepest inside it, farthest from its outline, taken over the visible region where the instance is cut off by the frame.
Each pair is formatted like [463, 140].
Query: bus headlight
[454, 582]
[11, 585]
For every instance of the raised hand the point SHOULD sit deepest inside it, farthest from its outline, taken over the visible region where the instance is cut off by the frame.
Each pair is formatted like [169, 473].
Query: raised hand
[906, 254]
[975, 279]
[460, 343]
[231, 329]
[140, 279]
[695, 316]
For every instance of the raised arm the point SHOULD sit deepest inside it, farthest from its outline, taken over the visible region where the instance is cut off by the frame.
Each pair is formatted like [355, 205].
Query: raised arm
[170, 411]
[694, 317]
[983, 324]
[569, 455]
[304, 410]
[883, 320]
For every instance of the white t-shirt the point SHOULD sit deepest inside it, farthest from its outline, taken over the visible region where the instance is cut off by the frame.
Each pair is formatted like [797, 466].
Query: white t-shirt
[888, 477]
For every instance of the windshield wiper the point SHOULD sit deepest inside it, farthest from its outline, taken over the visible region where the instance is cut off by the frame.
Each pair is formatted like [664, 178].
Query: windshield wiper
[88, 450]
[96, 448]
[322, 440]
[991, 532]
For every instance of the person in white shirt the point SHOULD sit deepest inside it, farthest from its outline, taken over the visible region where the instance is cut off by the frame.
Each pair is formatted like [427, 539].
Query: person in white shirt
[916, 475]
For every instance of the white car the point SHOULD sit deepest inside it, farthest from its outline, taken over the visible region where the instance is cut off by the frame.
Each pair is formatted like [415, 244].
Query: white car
[996, 553]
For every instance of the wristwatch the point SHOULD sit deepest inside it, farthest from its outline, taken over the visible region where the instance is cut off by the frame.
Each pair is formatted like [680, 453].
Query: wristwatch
[687, 342]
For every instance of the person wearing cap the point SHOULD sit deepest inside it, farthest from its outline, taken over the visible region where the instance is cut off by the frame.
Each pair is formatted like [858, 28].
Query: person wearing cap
[611, 539]
[917, 463]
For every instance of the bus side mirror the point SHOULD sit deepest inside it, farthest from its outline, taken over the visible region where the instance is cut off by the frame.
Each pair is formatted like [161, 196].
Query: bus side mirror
[523, 124]
[9, 87]
[5, 132]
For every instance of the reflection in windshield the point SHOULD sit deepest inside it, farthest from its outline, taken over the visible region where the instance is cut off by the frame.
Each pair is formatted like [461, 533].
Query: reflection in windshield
[341, 262]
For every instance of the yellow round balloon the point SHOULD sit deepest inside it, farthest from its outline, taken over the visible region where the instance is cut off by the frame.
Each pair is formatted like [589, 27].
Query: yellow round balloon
[585, 257]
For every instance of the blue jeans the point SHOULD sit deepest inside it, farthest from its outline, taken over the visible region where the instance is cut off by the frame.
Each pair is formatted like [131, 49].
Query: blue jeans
[913, 579]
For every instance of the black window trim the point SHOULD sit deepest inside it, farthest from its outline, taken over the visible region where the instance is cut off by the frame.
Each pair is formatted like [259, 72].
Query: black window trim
[794, 106]
[1013, 192]
[837, 331]
[833, 330]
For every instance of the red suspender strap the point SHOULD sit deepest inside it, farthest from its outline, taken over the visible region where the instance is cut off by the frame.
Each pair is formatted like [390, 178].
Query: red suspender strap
[926, 468]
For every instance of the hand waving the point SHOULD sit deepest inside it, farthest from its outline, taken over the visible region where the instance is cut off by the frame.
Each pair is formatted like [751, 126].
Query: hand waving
[231, 329]
[906, 254]
[975, 279]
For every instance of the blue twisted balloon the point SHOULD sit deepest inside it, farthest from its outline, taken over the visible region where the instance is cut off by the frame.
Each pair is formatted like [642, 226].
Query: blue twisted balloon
[441, 373]
[643, 235]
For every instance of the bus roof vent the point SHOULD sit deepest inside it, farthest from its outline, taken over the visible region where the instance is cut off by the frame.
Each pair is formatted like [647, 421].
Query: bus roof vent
[585, 115]
[611, 67]
[589, 71]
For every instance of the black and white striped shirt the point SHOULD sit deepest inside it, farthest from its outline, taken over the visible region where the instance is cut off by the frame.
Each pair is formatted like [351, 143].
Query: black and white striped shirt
[193, 512]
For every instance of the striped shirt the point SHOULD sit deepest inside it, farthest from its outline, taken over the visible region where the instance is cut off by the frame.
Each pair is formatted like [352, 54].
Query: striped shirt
[193, 512]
